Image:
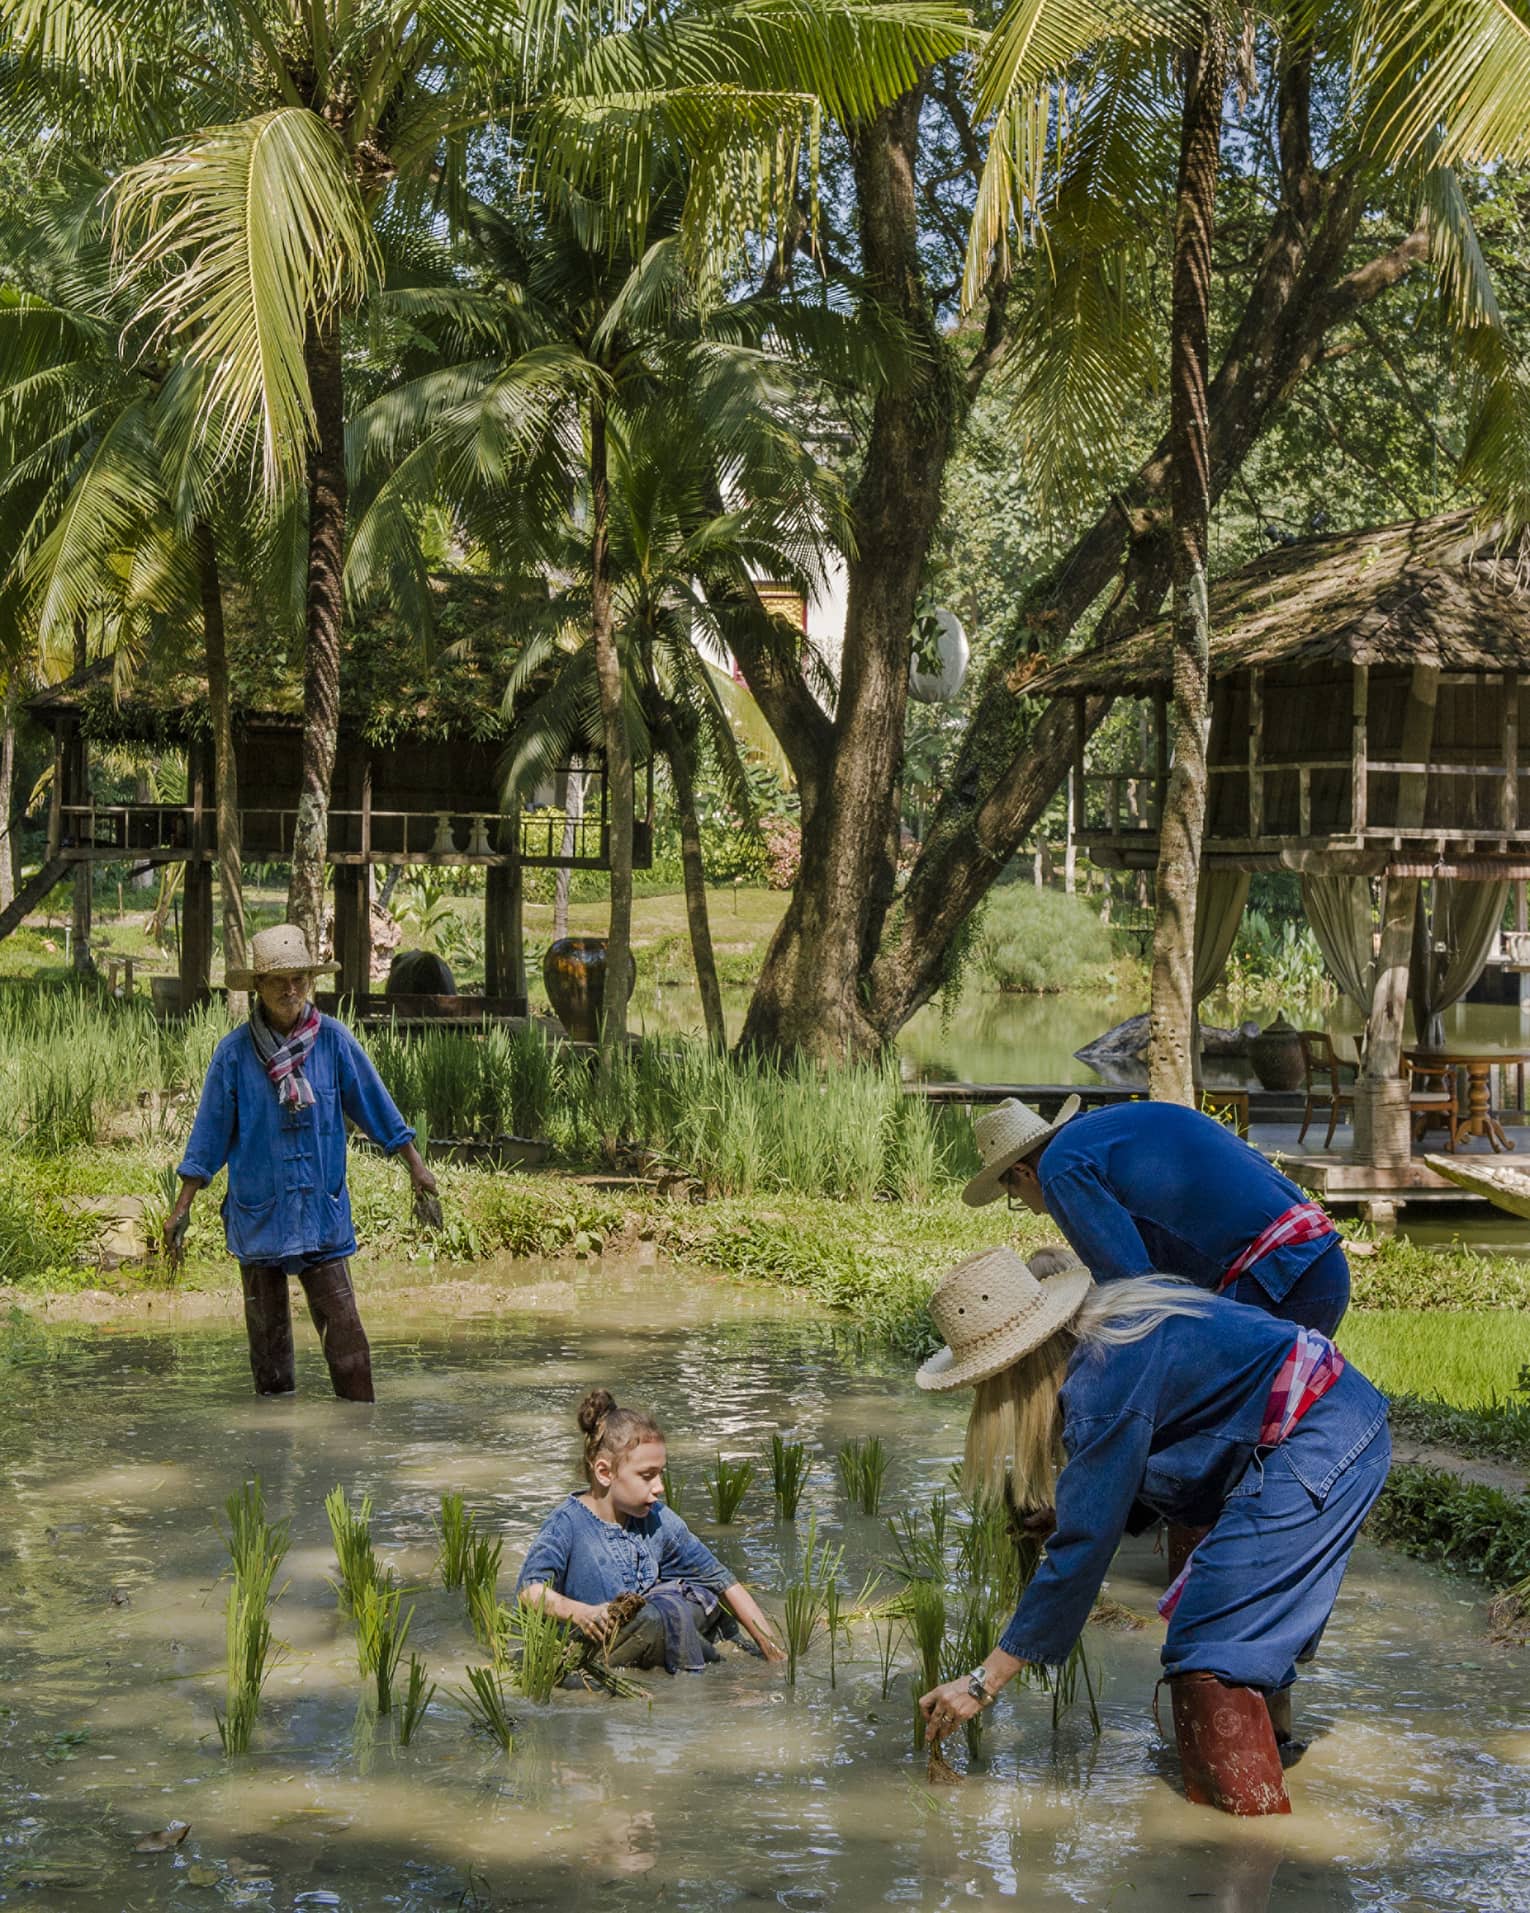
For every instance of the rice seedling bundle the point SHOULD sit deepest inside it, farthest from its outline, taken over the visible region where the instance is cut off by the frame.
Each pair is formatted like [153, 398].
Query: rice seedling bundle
[542, 1647]
[484, 1699]
[417, 1698]
[727, 1485]
[480, 1581]
[674, 1491]
[380, 1638]
[351, 1530]
[455, 1532]
[862, 1470]
[256, 1549]
[788, 1475]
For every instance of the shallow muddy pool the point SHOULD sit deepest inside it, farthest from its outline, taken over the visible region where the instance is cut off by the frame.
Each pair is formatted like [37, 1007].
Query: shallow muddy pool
[726, 1789]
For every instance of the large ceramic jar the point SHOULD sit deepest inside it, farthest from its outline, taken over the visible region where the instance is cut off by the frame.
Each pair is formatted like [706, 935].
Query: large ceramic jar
[574, 971]
[1275, 1055]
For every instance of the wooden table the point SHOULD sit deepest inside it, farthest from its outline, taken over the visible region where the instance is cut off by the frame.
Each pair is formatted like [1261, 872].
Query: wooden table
[1479, 1119]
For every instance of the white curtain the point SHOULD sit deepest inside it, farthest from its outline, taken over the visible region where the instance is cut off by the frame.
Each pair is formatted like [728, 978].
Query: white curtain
[1339, 910]
[1452, 937]
[1219, 899]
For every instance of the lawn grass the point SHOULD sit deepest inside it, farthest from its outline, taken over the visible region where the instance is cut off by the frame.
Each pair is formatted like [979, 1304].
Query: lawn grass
[1466, 1359]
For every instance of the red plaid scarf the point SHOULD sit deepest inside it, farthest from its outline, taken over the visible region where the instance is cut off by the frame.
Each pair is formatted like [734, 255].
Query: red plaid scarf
[1304, 1377]
[1303, 1222]
[283, 1057]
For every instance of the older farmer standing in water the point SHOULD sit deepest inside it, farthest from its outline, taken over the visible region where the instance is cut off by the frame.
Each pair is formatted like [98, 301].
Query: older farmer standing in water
[273, 1108]
[1097, 1397]
[1154, 1188]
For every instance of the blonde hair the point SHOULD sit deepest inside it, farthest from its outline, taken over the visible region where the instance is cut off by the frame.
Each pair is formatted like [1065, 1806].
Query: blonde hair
[609, 1430]
[1014, 1433]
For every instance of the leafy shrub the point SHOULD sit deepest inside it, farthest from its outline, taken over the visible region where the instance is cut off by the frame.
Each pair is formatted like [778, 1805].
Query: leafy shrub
[1275, 962]
[1435, 1515]
[1041, 940]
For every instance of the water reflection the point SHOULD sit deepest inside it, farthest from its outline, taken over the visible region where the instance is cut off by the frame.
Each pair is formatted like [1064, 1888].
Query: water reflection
[729, 1789]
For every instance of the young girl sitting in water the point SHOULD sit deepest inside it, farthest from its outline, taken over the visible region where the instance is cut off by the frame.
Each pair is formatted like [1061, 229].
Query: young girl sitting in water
[617, 1540]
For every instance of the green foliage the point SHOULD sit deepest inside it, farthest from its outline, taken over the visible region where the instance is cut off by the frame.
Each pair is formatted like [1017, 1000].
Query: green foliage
[487, 1707]
[542, 1649]
[1042, 940]
[789, 1468]
[489, 1083]
[726, 1486]
[1468, 1359]
[807, 1598]
[380, 1638]
[1401, 1274]
[481, 1584]
[417, 1699]
[674, 1490]
[1275, 965]
[1459, 1524]
[351, 1530]
[456, 1533]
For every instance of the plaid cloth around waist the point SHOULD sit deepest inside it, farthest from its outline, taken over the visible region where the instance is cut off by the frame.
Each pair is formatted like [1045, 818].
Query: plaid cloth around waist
[1304, 1377]
[1302, 1222]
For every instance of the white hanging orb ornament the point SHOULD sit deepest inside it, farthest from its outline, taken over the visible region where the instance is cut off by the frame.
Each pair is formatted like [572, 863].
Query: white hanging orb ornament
[940, 657]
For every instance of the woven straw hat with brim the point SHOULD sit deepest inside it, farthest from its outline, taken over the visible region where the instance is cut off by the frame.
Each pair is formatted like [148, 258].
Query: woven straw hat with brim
[992, 1310]
[1005, 1134]
[279, 951]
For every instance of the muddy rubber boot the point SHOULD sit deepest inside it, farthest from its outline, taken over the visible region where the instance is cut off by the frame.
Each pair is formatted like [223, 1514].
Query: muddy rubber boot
[1227, 1746]
[1181, 1541]
[332, 1304]
[268, 1324]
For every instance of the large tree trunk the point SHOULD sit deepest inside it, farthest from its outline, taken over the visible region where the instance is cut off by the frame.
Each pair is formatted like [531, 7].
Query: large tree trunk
[1172, 1063]
[8, 796]
[1012, 761]
[225, 765]
[677, 755]
[82, 890]
[613, 718]
[810, 993]
[326, 610]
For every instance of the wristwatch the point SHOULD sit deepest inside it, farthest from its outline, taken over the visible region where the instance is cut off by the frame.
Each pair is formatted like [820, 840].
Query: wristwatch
[977, 1685]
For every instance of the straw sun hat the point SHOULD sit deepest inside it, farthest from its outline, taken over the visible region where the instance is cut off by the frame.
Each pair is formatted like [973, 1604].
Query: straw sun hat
[280, 951]
[992, 1310]
[1003, 1135]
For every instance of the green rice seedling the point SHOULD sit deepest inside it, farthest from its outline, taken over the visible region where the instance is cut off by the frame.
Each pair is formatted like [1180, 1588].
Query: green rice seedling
[484, 1698]
[788, 1474]
[675, 1492]
[545, 1650]
[726, 1486]
[417, 1698]
[255, 1545]
[247, 1629]
[862, 1470]
[833, 1622]
[455, 1533]
[927, 1628]
[887, 1631]
[380, 1638]
[480, 1581]
[807, 1598]
[351, 1530]
[919, 1555]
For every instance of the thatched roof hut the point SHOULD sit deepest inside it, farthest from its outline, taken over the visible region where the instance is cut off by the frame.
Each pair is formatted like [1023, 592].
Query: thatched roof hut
[1367, 702]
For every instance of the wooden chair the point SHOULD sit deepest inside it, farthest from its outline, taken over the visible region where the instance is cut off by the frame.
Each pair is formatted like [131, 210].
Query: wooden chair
[1326, 1083]
[1432, 1099]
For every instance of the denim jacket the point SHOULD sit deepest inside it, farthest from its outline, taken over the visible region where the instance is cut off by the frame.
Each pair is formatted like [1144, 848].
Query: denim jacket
[577, 1554]
[286, 1168]
[1151, 1188]
[1172, 1421]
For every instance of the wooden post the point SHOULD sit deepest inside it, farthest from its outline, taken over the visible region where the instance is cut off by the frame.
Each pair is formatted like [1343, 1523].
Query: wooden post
[1076, 795]
[353, 928]
[1070, 849]
[1510, 810]
[504, 939]
[1304, 802]
[1359, 749]
[1256, 753]
[196, 932]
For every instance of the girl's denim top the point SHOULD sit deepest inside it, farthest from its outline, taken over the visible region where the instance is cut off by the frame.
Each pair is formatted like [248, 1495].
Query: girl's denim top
[577, 1554]
[286, 1168]
[1173, 1422]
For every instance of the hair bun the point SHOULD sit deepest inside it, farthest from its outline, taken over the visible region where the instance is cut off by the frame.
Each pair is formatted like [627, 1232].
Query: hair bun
[594, 1409]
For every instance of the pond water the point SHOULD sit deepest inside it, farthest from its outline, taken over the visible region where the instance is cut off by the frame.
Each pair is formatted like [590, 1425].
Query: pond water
[724, 1790]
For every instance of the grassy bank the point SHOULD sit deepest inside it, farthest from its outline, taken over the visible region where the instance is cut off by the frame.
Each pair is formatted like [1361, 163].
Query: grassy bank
[1464, 1526]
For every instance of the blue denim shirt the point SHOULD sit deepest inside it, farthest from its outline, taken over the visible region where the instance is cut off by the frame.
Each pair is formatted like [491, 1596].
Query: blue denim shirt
[1152, 1188]
[1172, 1421]
[286, 1168]
[577, 1554]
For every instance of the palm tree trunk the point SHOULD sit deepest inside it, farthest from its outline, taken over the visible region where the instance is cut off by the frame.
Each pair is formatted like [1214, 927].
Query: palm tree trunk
[1172, 1058]
[321, 671]
[613, 713]
[8, 798]
[225, 766]
[693, 870]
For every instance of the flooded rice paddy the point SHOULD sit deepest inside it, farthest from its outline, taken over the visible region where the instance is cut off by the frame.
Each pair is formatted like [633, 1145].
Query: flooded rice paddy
[723, 1790]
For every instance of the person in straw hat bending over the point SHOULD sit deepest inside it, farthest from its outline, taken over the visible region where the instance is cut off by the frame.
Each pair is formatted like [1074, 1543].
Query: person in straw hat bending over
[1097, 1397]
[1145, 1187]
[273, 1108]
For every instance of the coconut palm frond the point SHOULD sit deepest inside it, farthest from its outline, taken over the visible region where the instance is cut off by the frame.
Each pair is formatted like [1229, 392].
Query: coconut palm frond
[1453, 75]
[248, 236]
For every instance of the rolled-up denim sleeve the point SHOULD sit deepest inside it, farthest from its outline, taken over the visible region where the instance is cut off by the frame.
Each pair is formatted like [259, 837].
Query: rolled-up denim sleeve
[212, 1133]
[546, 1563]
[683, 1558]
[1095, 1494]
[365, 1099]
[1102, 1234]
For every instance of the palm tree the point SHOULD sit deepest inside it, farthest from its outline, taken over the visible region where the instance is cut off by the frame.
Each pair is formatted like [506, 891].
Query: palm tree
[253, 237]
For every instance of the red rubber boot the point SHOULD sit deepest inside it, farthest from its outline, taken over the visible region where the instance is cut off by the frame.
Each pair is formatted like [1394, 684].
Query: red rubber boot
[1227, 1746]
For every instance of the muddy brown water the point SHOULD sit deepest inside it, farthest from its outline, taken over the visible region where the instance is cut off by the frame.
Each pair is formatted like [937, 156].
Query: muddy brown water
[121, 1440]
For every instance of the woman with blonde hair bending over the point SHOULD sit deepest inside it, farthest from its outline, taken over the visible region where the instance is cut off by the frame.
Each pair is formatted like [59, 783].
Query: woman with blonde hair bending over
[1092, 1398]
